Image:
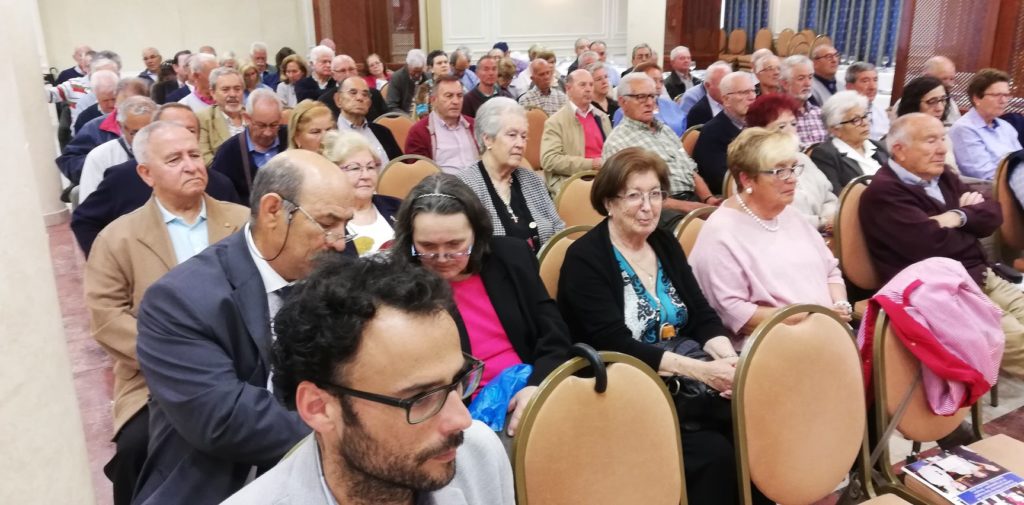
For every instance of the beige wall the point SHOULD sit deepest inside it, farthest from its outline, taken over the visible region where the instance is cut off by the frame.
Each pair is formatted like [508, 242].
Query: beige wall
[128, 26]
[783, 14]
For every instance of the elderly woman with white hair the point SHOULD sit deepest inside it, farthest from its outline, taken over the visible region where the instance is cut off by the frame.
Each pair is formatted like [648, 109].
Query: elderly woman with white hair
[848, 153]
[516, 198]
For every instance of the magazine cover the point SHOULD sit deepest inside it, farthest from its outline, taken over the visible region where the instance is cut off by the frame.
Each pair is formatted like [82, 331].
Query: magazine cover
[962, 476]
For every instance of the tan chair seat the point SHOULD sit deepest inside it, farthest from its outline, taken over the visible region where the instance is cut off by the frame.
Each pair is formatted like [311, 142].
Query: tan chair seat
[1000, 449]
[886, 499]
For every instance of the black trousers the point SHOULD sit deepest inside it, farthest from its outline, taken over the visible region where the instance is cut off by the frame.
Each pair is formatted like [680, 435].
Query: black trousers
[124, 468]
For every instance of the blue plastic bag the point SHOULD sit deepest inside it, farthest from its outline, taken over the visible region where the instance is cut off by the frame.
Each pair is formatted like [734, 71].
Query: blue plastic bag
[491, 404]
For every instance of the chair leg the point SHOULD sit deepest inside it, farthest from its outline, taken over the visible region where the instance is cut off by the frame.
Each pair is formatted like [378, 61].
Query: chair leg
[993, 394]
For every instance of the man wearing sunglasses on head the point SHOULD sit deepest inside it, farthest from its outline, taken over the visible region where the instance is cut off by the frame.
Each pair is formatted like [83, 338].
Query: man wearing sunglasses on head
[369, 357]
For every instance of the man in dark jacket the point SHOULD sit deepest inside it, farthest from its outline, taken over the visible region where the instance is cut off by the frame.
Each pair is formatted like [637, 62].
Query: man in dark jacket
[241, 156]
[713, 142]
[403, 83]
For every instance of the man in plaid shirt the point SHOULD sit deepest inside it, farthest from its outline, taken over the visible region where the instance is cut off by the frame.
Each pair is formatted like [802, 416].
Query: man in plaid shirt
[797, 81]
[541, 95]
[639, 128]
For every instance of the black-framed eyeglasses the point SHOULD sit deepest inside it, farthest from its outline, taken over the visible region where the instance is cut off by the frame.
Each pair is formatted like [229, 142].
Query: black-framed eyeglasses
[330, 237]
[857, 121]
[642, 97]
[427, 404]
[831, 56]
[932, 102]
[785, 173]
[446, 256]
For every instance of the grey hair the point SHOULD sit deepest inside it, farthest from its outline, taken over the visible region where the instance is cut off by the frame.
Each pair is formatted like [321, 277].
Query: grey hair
[133, 86]
[490, 117]
[581, 39]
[728, 83]
[228, 55]
[197, 61]
[676, 51]
[171, 105]
[98, 64]
[792, 61]
[717, 67]
[760, 54]
[140, 144]
[857, 68]
[625, 86]
[282, 176]
[589, 54]
[601, 42]
[135, 106]
[261, 95]
[933, 63]
[219, 72]
[595, 66]
[639, 47]
[256, 46]
[320, 50]
[340, 146]
[762, 61]
[458, 53]
[833, 110]
[416, 58]
[109, 55]
[103, 80]
[899, 130]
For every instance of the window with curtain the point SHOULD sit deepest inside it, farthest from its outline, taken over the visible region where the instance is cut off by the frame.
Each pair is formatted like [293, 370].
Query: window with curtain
[751, 15]
[862, 30]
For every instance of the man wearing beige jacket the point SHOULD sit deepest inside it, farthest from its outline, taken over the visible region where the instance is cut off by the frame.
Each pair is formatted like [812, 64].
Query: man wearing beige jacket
[130, 254]
[574, 136]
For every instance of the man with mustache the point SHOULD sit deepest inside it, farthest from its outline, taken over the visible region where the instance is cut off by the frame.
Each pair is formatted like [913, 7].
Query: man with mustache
[205, 333]
[243, 155]
[797, 81]
[129, 255]
[370, 359]
[224, 119]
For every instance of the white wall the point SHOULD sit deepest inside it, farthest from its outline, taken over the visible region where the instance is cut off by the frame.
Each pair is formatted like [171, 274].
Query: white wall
[127, 27]
[783, 14]
[556, 24]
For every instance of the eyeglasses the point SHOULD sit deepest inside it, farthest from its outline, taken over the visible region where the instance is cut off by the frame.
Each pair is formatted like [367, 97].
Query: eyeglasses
[635, 198]
[355, 167]
[932, 102]
[831, 56]
[999, 95]
[642, 97]
[425, 405]
[448, 256]
[745, 92]
[784, 174]
[330, 237]
[768, 69]
[857, 121]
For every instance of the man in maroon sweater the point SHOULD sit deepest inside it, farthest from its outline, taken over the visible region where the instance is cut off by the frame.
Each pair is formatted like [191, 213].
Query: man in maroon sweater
[917, 208]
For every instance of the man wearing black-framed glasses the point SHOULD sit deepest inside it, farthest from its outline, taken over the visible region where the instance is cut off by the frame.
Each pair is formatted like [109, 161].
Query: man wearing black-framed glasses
[370, 359]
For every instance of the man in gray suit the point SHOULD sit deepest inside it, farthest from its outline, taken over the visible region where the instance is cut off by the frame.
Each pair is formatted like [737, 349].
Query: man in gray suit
[369, 356]
[204, 337]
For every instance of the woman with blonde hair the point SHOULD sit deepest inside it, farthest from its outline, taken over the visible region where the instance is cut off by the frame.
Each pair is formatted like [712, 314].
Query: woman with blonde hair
[308, 123]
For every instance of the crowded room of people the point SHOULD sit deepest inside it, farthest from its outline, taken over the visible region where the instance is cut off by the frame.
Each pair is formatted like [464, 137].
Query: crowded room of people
[474, 252]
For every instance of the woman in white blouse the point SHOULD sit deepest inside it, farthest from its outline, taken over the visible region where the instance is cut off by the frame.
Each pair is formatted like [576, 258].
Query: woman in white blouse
[848, 153]
[293, 69]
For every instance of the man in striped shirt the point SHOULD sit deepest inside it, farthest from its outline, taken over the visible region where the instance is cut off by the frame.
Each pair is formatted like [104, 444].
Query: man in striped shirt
[797, 81]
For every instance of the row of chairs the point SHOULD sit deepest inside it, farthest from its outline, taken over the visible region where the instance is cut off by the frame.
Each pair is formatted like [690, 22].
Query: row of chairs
[733, 49]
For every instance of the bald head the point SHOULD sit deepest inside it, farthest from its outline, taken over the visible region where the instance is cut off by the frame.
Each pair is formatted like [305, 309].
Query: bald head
[941, 68]
[579, 87]
[540, 74]
[343, 67]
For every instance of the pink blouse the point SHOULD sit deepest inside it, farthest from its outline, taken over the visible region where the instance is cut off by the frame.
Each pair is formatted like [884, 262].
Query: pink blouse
[487, 337]
[742, 266]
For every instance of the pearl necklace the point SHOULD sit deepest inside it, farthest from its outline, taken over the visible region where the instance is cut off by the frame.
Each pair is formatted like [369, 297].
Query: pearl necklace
[773, 227]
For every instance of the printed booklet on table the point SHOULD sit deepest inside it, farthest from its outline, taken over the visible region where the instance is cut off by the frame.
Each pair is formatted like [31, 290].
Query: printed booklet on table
[962, 476]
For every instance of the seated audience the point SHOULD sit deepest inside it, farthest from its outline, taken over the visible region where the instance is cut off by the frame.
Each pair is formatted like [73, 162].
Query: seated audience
[665, 110]
[205, 352]
[445, 136]
[103, 93]
[86, 102]
[353, 99]
[516, 198]
[916, 208]
[814, 197]
[849, 153]
[293, 69]
[224, 119]
[319, 78]
[680, 79]
[129, 86]
[797, 79]
[131, 254]
[504, 313]
[372, 223]
[265, 73]
[542, 94]
[642, 53]
[187, 80]
[79, 69]
[343, 67]
[229, 60]
[122, 190]
[460, 68]
[201, 97]
[151, 59]
[73, 90]
[242, 156]
[980, 139]
[600, 49]
[943, 69]
[737, 91]
[382, 327]
[862, 77]
[133, 114]
[307, 124]
[768, 70]
[639, 128]
[404, 82]
[928, 95]
[251, 78]
[701, 103]
[486, 88]
[625, 286]
[604, 103]
[573, 137]
[377, 75]
[161, 91]
[775, 258]
[826, 64]
[506, 78]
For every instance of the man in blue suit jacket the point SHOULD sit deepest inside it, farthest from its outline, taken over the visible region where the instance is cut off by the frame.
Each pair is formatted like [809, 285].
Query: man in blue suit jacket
[204, 337]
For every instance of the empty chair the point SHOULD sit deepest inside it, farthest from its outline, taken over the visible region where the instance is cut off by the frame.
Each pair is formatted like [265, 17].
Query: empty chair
[782, 43]
[609, 439]
[736, 46]
[552, 255]
[535, 130]
[763, 40]
[689, 227]
[398, 177]
[398, 123]
[573, 200]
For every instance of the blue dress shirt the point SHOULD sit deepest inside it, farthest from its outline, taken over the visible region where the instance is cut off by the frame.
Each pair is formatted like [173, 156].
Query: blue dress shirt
[668, 112]
[979, 147]
[187, 239]
[262, 158]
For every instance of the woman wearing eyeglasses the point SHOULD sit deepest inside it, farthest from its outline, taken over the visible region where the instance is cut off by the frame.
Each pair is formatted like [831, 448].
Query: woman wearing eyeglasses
[503, 311]
[756, 253]
[927, 94]
[848, 153]
[371, 224]
[626, 286]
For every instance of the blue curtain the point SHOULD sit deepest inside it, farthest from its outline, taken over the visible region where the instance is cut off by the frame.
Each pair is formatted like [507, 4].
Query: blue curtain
[751, 15]
[862, 30]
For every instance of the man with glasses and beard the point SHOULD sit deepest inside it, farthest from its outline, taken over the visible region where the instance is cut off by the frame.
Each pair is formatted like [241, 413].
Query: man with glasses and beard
[370, 358]
[205, 335]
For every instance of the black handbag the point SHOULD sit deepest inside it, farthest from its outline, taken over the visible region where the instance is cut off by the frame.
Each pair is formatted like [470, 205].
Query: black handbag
[697, 404]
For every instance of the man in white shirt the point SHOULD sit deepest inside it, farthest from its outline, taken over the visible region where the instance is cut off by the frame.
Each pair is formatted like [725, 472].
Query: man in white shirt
[133, 114]
[862, 77]
[353, 99]
[200, 65]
